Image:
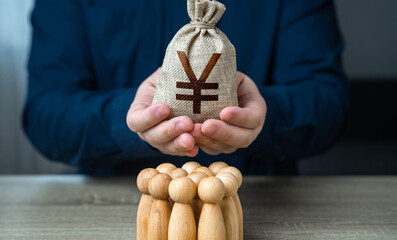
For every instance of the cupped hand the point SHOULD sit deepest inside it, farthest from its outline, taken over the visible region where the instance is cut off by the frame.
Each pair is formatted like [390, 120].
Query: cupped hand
[172, 136]
[239, 126]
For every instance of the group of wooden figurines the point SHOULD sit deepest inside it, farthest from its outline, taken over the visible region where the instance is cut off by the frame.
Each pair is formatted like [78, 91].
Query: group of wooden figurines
[188, 203]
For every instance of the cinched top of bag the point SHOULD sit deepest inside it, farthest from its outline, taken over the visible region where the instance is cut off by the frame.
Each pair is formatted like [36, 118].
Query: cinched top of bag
[205, 13]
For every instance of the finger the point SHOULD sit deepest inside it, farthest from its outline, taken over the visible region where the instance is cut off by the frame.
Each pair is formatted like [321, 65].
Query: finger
[155, 77]
[228, 134]
[248, 93]
[250, 117]
[179, 146]
[143, 99]
[168, 150]
[168, 130]
[140, 117]
[193, 152]
[203, 140]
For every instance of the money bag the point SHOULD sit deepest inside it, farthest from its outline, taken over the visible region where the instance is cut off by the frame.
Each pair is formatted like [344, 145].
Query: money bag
[198, 75]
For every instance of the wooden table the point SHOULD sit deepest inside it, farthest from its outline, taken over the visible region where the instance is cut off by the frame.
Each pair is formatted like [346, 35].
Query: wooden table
[76, 207]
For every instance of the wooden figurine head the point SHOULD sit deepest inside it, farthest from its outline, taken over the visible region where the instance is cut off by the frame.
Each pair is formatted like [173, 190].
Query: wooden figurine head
[190, 166]
[142, 181]
[178, 172]
[211, 190]
[197, 177]
[216, 167]
[204, 170]
[230, 182]
[158, 186]
[182, 189]
[166, 168]
[235, 172]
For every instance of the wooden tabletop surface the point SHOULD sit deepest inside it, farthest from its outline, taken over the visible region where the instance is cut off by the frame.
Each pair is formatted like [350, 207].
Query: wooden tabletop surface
[76, 207]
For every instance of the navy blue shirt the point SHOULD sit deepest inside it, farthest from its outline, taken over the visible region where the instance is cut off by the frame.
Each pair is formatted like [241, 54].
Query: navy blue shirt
[89, 56]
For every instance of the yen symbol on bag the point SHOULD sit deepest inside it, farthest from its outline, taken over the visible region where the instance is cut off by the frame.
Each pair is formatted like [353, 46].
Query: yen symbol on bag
[199, 84]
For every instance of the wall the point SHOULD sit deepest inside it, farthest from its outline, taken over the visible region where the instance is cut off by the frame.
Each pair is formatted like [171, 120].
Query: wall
[16, 153]
[369, 143]
[370, 31]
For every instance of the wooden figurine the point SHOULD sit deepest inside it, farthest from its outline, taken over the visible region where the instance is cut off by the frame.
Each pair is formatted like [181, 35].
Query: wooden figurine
[190, 166]
[216, 167]
[204, 170]
[182, 224]
[161, 210]
[178, 172]
[196, 202]
[236, 198]
[145, 204]
[211, 224]
[228, 206]
[166, 168]
[175, 173]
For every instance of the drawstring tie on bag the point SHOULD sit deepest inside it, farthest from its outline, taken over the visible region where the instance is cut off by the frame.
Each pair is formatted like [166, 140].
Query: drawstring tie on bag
[202, 25]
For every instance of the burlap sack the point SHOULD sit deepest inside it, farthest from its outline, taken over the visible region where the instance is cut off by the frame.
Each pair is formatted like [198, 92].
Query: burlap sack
[198, 77]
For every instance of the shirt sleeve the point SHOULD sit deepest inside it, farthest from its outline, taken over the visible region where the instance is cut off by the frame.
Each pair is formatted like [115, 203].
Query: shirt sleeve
[66, 116]
[308, 98]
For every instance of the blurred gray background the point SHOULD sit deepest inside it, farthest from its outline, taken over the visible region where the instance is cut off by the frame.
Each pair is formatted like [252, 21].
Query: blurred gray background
[370, 31]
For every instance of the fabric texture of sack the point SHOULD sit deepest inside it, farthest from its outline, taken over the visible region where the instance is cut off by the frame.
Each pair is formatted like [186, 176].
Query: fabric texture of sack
[198, 76]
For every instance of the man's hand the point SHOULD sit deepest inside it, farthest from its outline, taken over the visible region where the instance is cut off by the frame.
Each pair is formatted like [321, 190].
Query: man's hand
[239, 126]
[169, 136]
